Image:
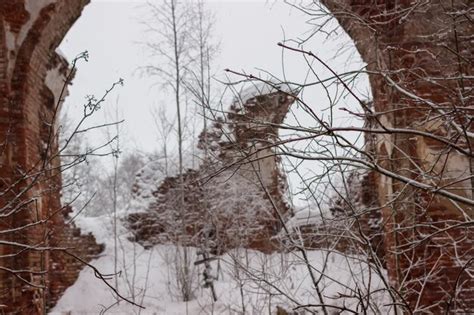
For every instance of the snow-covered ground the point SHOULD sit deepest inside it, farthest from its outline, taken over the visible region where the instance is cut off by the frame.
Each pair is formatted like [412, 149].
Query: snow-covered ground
[245, 279]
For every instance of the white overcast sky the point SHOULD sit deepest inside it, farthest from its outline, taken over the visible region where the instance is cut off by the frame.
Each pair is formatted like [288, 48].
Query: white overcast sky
[248, 31]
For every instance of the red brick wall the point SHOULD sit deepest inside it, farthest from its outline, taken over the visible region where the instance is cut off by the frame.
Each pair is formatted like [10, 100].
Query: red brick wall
[225, 195]
[416, 46]
[31, 213]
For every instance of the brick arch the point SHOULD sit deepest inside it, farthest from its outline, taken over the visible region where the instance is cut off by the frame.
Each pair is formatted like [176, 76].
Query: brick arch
[31, 30]
[409, 47]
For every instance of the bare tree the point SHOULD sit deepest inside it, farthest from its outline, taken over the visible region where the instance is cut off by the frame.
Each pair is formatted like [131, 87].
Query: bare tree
[171, 22]
[200, 71]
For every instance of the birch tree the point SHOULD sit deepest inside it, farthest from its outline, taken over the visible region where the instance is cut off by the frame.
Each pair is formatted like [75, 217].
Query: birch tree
[170, 25]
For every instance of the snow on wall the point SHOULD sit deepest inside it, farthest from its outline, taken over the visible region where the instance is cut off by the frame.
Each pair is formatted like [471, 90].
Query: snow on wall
[10, 38]
[55, 81]
[61, 54]
[11, 46]
[304, 217]
[13, 41]
[262, 88]
[149, 178]
[34, 8]
[227, 198]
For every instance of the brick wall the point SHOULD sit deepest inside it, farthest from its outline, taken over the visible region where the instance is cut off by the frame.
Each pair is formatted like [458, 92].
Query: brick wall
[234, 195]
[32, 222]
[424, 48]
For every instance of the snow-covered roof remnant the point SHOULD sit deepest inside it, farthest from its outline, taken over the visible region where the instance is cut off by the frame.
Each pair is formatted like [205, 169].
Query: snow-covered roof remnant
[251, 121]
[258, 88]
[304, 217]
[260, 103]
[55, 80]
[318, 230]
[61, 54]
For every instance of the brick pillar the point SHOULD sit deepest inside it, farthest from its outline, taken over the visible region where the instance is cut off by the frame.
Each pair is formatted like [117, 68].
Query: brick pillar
[30, 32]
[252, 125]
[426, 49]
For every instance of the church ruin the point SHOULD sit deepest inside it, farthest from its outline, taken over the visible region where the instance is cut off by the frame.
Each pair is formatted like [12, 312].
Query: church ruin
[419, 58]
